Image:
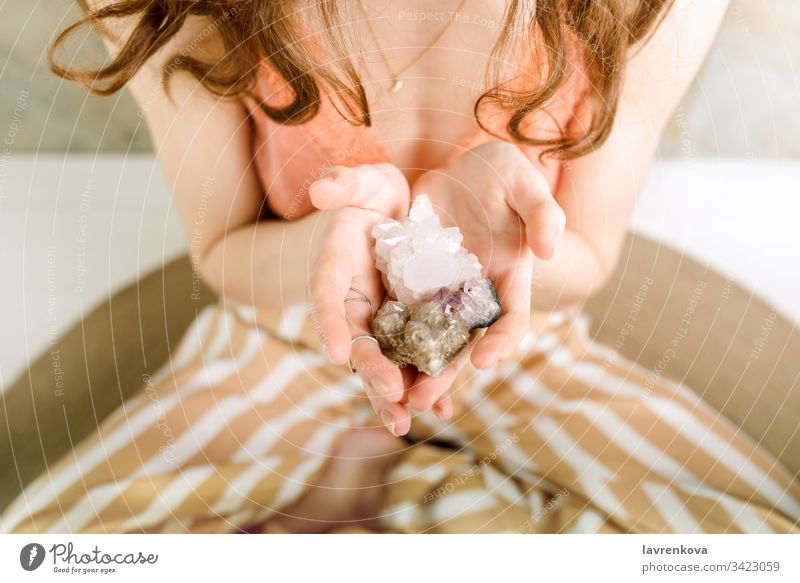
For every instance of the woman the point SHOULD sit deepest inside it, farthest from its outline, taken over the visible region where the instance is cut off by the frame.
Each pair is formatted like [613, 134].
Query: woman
[287, 131]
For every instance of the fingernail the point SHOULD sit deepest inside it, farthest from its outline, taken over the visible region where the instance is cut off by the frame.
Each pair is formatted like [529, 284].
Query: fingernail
[437, 408]
[321, 180]
[388, 420]
[380, 388]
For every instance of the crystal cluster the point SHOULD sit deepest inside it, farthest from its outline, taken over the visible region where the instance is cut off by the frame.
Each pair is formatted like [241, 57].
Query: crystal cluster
[420, 335]
[418, 256]
[441, 294]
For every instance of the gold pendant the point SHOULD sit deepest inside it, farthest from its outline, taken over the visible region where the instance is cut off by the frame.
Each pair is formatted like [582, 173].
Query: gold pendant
[396, 86]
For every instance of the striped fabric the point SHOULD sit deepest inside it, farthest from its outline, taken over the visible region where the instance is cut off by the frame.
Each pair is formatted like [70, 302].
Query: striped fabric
[566, 437]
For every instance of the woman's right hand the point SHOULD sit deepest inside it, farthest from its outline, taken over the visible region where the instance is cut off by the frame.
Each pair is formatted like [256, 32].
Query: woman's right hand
[358, 198]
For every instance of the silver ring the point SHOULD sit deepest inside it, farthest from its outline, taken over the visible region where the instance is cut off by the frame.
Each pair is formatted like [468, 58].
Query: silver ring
[363, 298]
[356, 339]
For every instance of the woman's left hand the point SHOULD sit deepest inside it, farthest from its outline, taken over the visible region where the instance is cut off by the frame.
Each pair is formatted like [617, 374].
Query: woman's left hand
[507, 214]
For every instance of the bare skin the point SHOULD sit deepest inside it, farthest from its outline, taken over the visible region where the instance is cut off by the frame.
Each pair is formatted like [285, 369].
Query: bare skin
[350, 491]
[576, 232]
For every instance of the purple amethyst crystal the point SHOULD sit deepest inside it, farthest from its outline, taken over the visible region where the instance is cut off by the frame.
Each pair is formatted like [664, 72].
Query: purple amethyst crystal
[449, 300]
[480, 306]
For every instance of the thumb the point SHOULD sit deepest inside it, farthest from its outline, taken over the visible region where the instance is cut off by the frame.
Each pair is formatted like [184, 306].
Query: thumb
[544, 225]
[333, 189]
[544, 218]
[373, 187]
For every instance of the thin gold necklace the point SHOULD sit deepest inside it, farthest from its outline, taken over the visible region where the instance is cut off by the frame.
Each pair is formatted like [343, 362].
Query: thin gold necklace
[397, 82]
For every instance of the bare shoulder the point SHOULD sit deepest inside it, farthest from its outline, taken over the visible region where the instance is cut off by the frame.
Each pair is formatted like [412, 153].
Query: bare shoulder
[196, 37]
[662, 67]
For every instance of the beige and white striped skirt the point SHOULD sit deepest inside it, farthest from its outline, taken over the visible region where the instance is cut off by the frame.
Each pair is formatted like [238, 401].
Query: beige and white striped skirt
[565, 437]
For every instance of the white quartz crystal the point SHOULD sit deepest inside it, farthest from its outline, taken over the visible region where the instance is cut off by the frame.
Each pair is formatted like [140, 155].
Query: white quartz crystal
[418, 256]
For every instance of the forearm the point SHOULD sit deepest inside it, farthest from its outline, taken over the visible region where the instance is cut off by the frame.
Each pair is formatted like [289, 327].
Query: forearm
[265, 264]
[599, 190]
[574, 274]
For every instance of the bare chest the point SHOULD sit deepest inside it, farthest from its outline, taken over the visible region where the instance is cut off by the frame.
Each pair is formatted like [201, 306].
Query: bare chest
[421, 112]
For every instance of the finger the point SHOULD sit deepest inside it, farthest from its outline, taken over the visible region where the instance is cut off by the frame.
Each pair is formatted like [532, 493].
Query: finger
[428, 391]
[545, 220]
[332, 190]
[332, 280]
[544, 224]
[382, 378]
[375, 187]
[328, 293]
[394, 416]
[501, 338]
[410, 375]
[444, 408]
[383, 384]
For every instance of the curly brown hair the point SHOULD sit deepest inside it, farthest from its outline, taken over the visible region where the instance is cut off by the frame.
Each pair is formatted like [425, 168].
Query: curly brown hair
[252, 31]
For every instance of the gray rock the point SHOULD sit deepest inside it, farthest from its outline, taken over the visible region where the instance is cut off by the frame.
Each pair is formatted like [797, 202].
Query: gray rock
[430, 335]
[420, 335]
